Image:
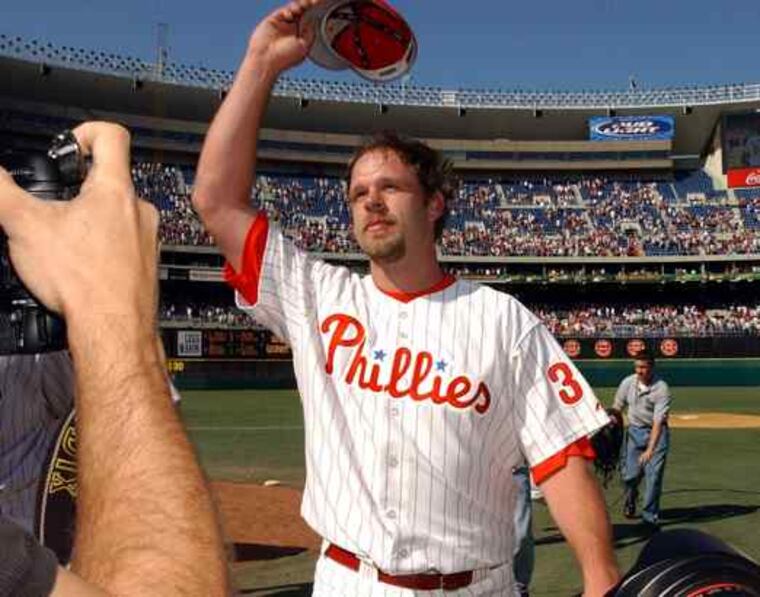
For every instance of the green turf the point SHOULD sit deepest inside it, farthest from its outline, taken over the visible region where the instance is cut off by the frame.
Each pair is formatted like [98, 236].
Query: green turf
[728, 399]
[247, 435]
[712, 478]
[712, 481]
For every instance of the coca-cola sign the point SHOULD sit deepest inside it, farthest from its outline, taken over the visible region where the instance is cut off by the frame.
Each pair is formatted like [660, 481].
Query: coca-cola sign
[744, 177]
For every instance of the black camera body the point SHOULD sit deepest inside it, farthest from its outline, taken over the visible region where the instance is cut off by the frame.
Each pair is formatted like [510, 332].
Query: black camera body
[26, 326]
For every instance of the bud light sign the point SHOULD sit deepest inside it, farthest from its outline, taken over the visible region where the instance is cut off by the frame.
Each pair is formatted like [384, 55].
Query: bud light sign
[631, 128]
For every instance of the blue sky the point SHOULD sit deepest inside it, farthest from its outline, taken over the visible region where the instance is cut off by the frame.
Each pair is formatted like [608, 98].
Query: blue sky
[535, 44]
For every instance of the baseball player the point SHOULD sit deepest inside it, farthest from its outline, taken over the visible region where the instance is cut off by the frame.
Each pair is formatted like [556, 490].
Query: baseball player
[420, 392]
[647, 398]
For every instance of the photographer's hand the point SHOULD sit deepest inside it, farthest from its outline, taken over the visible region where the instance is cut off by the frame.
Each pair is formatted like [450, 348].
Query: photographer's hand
[94, 259]
[95, 254]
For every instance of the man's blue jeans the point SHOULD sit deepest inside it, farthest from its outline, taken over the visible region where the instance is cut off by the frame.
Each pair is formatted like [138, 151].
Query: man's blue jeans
[636, 441]
[523, 520]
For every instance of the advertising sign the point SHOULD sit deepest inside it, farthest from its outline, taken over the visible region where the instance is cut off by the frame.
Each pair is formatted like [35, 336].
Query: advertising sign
[189, 343]
[631, 128]
[744, 177]
[603, 348]
[669, 347]
[572, 348]
[635, 346]
[741, 149]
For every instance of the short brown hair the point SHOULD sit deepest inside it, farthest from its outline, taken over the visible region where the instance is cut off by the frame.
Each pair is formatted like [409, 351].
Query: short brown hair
[434, 170]
[645, 355]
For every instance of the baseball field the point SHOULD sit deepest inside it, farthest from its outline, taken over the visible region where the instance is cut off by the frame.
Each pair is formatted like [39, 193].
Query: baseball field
[251, 445]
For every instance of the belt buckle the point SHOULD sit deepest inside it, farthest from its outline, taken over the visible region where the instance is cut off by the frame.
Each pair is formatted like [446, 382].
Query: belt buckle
[367, 570]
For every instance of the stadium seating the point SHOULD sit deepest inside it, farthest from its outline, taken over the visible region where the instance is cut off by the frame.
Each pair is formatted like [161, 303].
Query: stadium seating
[585, 321]
[591, 216]
[651, 320]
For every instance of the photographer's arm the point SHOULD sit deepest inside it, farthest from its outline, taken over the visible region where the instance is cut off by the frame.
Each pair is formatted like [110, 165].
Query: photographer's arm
[152, 518]
[146, 523]
[221, 194]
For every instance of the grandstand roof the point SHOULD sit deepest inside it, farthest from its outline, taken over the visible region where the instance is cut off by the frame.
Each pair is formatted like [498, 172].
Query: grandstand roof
[49, 74]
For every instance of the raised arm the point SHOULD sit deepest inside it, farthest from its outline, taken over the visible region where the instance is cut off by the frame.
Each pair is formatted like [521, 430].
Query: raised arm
[225, 175]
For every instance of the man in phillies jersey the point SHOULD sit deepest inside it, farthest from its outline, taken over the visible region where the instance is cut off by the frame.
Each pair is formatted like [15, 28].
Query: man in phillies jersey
[420, 392]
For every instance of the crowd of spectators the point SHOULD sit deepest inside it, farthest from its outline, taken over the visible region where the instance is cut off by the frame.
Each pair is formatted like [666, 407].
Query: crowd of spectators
[164, 186]
[199, 315]
[591, 216]
[652, 320]
[584, 321]
[750, 209]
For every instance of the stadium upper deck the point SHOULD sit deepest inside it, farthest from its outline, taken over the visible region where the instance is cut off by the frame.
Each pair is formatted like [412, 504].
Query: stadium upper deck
[185, 98]
[311, 127]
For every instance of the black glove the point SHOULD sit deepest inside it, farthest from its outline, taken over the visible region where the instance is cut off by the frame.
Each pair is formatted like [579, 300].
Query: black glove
[607, 443]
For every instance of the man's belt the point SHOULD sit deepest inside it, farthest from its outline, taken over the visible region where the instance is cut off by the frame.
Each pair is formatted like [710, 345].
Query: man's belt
[421, 582]
[649, 427]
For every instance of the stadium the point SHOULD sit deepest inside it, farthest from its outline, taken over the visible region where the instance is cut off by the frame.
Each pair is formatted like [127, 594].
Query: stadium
[617, 241]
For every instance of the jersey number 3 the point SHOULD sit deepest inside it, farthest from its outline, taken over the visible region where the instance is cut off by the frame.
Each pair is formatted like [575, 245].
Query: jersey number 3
[571, 391]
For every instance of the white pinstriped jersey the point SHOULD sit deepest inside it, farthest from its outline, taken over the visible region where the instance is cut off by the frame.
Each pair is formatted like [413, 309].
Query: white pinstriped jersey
[36, 395]
[415, 411]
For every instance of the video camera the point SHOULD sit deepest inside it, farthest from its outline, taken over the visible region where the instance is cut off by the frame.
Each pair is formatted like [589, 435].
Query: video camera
[27, 327]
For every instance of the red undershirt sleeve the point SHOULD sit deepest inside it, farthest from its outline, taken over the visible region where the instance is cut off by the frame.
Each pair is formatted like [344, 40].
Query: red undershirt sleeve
[545, 469]
[246, 282]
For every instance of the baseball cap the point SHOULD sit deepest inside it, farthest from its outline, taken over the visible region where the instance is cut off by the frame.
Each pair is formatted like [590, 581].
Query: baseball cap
[367, 36]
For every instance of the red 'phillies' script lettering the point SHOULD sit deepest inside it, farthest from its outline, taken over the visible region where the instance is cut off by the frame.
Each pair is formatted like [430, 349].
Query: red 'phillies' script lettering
[346, 332]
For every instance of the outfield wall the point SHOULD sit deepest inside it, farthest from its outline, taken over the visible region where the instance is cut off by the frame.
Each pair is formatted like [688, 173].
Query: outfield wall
[262, 344]
[240, 359]
[228, 374]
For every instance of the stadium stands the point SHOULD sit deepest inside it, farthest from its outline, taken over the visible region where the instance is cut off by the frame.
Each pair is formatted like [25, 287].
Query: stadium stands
[623, 216]
[581, 217]
[584, 321]
[651, 321]
[204, 315]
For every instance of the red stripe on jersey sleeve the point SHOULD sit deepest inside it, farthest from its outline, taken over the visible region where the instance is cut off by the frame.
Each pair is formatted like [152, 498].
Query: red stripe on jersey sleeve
[247, 281]
[543, 470]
